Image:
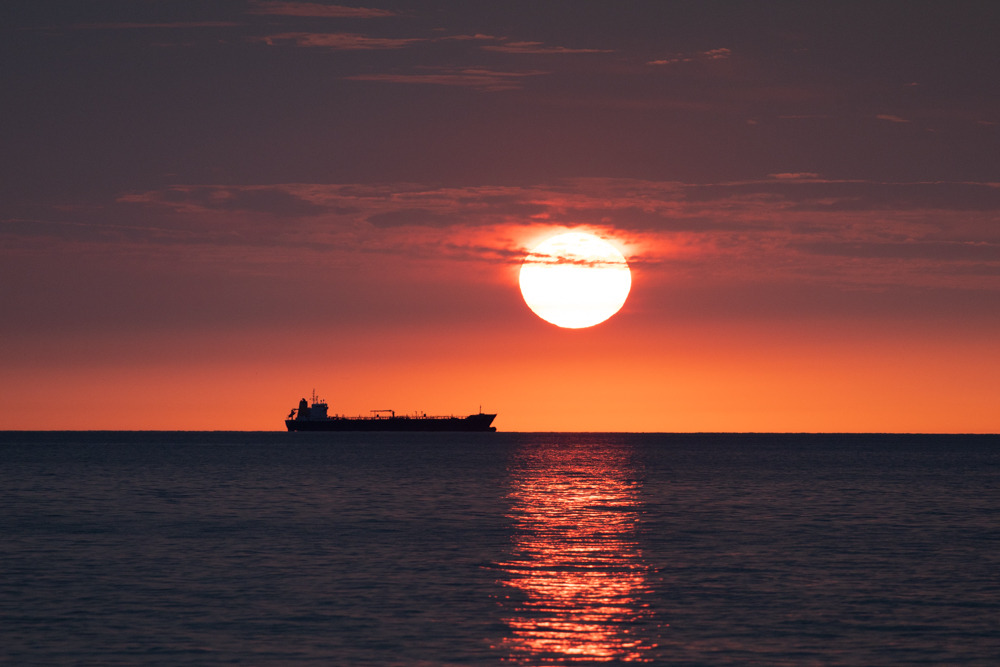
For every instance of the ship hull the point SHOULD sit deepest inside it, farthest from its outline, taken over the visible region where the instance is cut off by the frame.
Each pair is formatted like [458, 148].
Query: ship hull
[479, 423]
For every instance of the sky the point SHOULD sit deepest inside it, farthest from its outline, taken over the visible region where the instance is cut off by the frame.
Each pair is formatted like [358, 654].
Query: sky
[209, 210]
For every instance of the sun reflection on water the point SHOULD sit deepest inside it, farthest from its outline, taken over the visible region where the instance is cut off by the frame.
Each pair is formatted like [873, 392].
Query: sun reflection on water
[577, 579]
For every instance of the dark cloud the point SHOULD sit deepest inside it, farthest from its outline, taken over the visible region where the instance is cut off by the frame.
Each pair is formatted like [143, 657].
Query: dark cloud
[412, 217]
[819, 195]
[663, 219]
[483, 253]
[271, 201]
[937, 251]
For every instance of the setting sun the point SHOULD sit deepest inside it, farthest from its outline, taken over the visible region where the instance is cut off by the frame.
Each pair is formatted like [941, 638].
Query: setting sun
[575, 280]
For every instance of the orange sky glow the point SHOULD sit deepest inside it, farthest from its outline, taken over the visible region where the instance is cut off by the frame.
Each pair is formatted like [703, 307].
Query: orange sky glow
[273, 199]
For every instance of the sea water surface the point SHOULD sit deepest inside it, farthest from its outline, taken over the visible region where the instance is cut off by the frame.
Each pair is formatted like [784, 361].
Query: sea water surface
[503, 548]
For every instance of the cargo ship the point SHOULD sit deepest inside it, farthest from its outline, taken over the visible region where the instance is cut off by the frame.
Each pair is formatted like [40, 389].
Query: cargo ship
[314, 417]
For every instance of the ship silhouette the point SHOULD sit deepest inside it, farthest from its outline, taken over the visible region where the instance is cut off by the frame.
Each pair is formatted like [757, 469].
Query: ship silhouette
[314, 417]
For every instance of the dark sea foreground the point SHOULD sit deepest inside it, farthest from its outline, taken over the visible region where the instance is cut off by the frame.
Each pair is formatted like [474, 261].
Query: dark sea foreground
[480, 549]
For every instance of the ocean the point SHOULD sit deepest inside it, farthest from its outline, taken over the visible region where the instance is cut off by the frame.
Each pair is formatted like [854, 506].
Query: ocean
[186, 548]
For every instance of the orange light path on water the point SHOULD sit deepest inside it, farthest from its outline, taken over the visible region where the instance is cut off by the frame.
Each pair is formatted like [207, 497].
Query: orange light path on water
[577, 573]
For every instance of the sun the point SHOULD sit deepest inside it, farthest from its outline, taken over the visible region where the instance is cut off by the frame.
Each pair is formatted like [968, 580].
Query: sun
[575, 280]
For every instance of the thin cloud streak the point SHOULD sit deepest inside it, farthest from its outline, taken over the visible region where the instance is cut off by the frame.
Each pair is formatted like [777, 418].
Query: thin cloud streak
[336, 41]
[317, 10]
[701, 56]
[479, 79]
[538, 48]
[178, 25]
